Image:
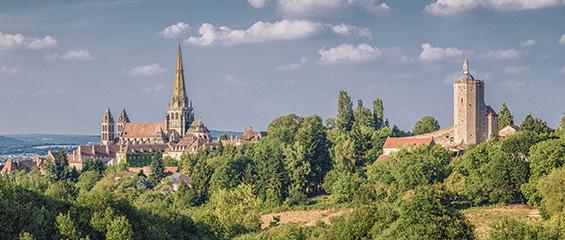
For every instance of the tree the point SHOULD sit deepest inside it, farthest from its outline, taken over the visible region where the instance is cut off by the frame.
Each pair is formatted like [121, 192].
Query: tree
[345, 116]
[237, 211]
[561, 127]
[427, 124]
[363, 116]
[224, 136]
[533, 124]
[272, 178]
[231, 173]
[284, 128]
[157, 168]
[552, 191]
[58, 169]
[66, 226]
[119, 229]
[505, 118]
[378, 114]
[93, 164]
[544, 157]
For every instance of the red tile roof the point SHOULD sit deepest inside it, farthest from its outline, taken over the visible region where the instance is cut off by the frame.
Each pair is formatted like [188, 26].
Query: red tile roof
[393, 142]
[142, 129]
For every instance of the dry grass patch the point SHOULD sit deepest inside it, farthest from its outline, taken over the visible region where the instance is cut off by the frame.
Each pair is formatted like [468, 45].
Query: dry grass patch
[303, 217]
[483, 217]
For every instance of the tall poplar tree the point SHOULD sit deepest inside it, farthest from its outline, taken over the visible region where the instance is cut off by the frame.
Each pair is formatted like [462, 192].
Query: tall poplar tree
[505, 118]
[378, 113]
[344, 112]
[363, 116]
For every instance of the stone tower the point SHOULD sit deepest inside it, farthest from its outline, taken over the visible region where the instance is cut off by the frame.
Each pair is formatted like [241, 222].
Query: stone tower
[107, 128]
[179, 113]
[469, 109]
[122, 120]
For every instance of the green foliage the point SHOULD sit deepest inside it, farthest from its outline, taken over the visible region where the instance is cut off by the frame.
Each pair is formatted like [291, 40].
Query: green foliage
[552, 192]
[141, 159]
[345, 116]
[231, 173]
[282, 232]
[59, 169]
[363, 116]
[236, 211]
[535, 125]
[119, 229]
[544, 157]
[409, 169]
[427, 124]
[366, 222]
[224, 136]
[493, 172]
[170, 162]
[93, 164]
[88, 179]
[284, 128]
[157, 168]
[378, 114]
[25, 236]
[510, 228]
[272, 177]
[66, 227]
[505, 118]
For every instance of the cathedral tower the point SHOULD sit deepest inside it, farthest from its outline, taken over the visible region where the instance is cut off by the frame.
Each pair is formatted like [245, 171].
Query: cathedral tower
[469, 109]
[122, 120]
[179, 113]
[107, 128]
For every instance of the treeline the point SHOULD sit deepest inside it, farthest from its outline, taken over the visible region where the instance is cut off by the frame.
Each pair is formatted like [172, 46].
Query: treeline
[415, 194]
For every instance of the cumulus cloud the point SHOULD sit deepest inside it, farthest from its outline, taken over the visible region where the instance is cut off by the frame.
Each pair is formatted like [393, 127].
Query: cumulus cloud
[147, 70]
[258, 32]
[257, 3]
[318, 8]
[430, 53]
[528, 43]
[75, 55]
[350, 30]
[19, 41]
[451, 7]
[501, 54]
[175, 30]
[347, 53]
[292, 66]
[562, 40]
[6, 70]
[516, 69]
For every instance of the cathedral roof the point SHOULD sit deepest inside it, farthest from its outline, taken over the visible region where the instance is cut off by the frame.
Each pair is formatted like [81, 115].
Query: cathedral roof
[142, 129]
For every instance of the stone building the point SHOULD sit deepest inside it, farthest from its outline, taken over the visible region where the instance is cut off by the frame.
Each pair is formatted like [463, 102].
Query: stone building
[473, 121]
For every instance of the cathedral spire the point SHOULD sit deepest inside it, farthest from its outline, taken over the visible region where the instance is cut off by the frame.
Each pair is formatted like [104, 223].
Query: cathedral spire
[179, 91]
[466, 74]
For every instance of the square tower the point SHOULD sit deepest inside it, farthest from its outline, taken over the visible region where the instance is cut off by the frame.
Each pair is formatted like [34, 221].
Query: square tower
[469, 109]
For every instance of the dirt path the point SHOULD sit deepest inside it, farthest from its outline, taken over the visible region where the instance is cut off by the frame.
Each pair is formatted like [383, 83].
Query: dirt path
[482, 218]
[303, 217]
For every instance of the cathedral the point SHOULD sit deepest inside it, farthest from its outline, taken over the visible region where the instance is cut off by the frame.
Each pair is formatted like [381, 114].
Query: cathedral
[178, 119]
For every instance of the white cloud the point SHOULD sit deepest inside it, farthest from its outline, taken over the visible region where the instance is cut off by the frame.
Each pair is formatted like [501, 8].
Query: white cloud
[147, 70]
[516, 69]
[292, 66]
[175, 30]
[451, 7]
[318, 8]
[350, 30]
[5, 70]
[562, 40]
[258, 32]
[19, 41]
[528, 43]
[346, 53]
[430, 53]
[501, 54]
[76, 55]
[257, 3]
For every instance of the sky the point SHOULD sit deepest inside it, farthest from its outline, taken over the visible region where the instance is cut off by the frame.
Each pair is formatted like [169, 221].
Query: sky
[246, 62]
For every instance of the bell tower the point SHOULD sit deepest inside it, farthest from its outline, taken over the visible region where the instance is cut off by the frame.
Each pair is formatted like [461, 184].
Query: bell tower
[123, 119]
[179, 113]
[107, 128]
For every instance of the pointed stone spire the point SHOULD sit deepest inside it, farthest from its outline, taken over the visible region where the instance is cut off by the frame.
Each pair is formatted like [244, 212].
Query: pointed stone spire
[108, 116]
[123, 118]
[179, 90]
[466, 74]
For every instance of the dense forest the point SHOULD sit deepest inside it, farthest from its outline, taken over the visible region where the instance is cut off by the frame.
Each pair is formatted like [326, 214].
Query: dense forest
[414, 194]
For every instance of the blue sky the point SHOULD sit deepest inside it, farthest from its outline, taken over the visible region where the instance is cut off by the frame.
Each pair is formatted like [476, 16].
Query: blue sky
[247, 62]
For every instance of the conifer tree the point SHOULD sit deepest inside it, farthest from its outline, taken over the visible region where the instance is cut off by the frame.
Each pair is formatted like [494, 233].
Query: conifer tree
[157, 168]
[505, 118]
[378, 113]
[344, 112]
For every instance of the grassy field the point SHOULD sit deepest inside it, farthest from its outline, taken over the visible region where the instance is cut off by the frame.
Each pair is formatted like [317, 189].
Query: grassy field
[480, 217]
